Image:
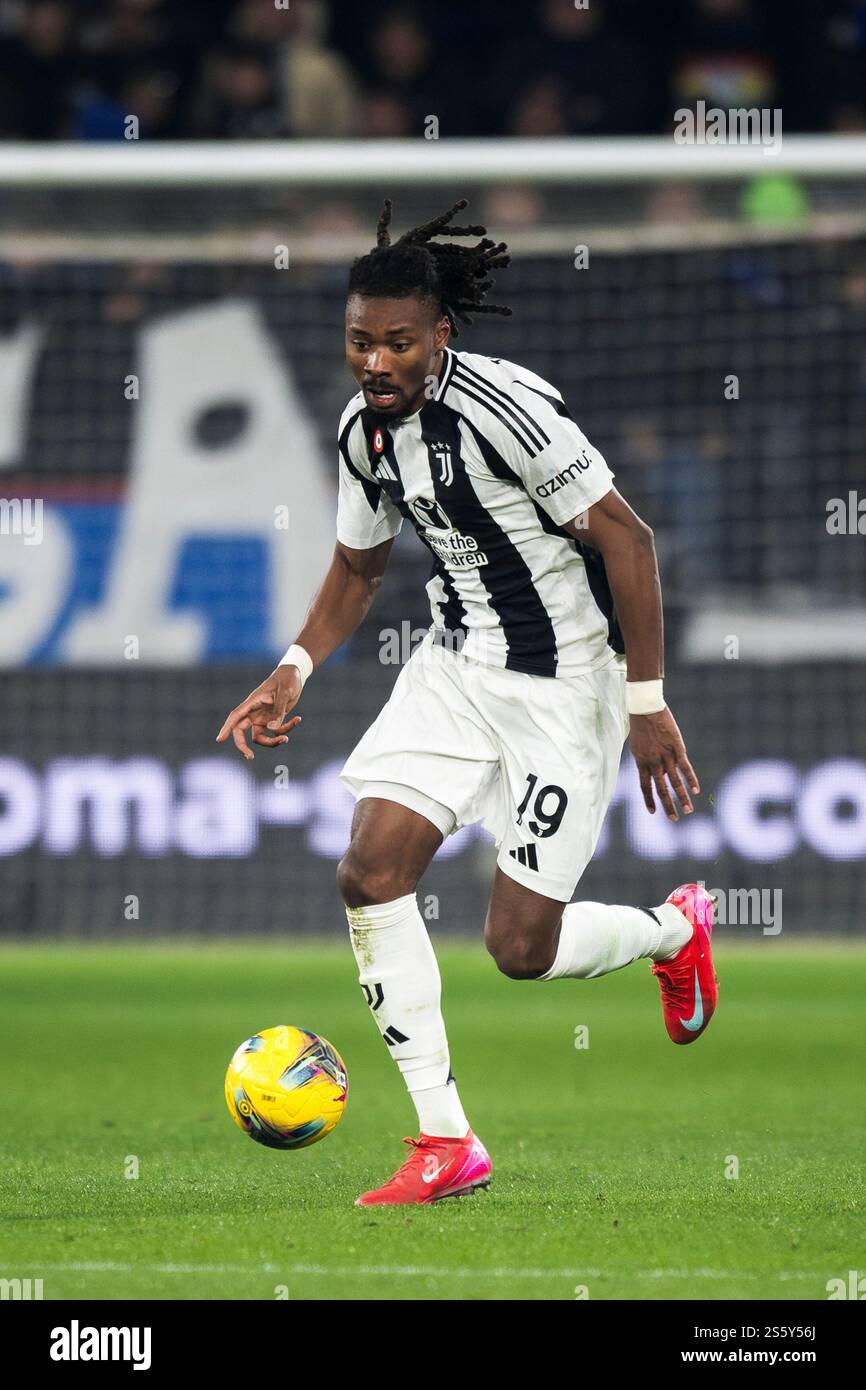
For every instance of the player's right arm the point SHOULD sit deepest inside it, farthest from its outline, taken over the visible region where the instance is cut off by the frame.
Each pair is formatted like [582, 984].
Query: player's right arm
[338, 608]
[367, 523]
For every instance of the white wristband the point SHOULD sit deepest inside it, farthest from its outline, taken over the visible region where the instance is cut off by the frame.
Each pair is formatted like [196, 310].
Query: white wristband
[297, 656]
[644, 697]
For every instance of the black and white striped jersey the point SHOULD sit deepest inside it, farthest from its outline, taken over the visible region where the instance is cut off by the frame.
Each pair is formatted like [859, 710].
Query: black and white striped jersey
[487, 471]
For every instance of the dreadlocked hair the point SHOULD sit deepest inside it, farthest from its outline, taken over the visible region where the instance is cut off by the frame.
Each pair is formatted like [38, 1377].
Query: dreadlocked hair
[454, 278]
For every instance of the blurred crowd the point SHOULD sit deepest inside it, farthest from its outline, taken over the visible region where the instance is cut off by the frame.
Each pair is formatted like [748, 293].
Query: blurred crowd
[248, 69]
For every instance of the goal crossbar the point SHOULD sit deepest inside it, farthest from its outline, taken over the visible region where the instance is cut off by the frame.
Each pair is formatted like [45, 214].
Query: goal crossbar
[326, 163]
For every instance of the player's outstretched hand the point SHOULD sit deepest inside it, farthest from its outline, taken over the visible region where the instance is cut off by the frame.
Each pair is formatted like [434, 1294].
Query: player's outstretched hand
[658, 749]
[264, 711]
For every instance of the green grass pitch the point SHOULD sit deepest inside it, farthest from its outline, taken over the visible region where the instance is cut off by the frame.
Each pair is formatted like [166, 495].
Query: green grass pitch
[609, 1161]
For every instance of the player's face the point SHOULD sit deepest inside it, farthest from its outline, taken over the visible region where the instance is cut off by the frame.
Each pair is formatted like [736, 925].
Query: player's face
[393, 348]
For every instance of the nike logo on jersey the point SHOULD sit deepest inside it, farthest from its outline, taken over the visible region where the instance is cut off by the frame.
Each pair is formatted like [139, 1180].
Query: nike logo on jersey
[697, 1018]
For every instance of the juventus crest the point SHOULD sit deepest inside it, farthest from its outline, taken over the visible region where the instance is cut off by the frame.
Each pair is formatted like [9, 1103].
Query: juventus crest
[442, 455]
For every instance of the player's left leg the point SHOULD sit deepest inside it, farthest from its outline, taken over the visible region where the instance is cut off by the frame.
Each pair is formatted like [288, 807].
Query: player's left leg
[560, 746]
[533, 937]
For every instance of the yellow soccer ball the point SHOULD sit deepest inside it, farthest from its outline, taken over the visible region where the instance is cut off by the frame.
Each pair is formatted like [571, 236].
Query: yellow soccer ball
[286, 1087]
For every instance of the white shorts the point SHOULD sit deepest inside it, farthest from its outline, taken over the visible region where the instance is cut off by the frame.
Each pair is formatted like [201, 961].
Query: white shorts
[534, 758]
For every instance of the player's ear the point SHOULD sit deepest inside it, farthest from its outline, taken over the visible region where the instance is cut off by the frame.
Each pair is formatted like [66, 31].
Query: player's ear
[442, 332]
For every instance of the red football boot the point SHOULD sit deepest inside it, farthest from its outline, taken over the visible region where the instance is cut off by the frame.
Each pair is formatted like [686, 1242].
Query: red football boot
[690, 990]
[435, 1168]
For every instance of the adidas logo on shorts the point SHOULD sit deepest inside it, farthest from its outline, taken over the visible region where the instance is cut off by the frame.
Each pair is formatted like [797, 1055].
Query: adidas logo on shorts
[526, 855]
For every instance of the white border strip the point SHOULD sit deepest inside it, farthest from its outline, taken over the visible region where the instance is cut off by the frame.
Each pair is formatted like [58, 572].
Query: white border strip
[425, 1271]
[346, 163]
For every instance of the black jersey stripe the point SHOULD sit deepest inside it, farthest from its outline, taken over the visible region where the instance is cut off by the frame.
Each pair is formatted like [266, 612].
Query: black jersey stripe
[596, 574]
[526, 624]
[372, 421]
[449, 372]
[532, 426]
[453, 609]
[492, 457]
[506, 399]
[371, 490]
[498, 407]
[559, 406]
[600, 590]
[525, 444]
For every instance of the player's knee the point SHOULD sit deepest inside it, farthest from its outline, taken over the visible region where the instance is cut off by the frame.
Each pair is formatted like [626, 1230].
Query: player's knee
[362, 884]
[519, 957]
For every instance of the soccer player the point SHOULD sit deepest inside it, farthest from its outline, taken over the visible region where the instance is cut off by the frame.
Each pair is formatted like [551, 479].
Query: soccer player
[544, 654]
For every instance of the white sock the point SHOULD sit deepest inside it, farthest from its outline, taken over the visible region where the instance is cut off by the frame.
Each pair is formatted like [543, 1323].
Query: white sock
[596, 938]
[399, 975]
[676, 931]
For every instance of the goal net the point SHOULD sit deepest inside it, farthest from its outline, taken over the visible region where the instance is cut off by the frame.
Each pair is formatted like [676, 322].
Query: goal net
[171, 378]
